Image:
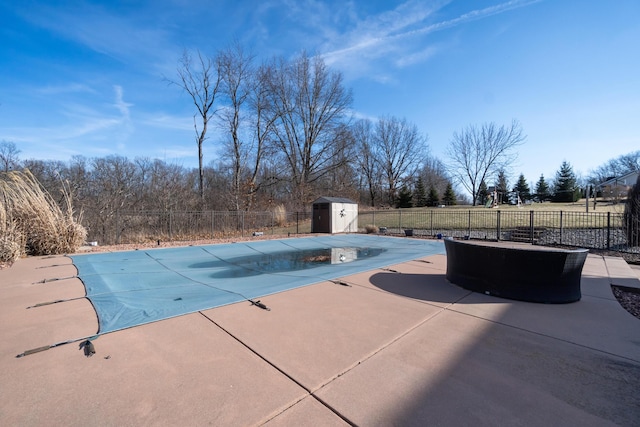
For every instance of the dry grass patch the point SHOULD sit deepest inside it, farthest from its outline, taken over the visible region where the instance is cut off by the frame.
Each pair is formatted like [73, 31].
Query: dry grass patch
[31, 221]
[371, 229]
[280, 215]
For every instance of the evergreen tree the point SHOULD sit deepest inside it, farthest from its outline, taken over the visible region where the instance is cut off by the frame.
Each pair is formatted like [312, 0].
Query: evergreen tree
[483, 193]
[632, 215]
[542, 190]
[404, 198]
[565, 188]
[419, 194]
[522, 189]
[433, 199]
[449, 197]
[502, 186]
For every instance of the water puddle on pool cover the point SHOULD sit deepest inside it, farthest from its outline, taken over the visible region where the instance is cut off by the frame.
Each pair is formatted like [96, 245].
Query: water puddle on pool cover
[288, 261]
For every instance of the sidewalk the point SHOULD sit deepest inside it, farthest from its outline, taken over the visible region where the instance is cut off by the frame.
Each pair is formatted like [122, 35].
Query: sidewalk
[393, 348]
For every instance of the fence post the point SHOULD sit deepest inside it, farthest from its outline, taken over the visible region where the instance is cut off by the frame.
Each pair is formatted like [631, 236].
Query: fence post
[431, 211]
[170, 225]
[531, 228]
[608, 230]
[399, 220]
[117, 227]
[561, 228]
[213, 223]
[498, 231]
[469, 225]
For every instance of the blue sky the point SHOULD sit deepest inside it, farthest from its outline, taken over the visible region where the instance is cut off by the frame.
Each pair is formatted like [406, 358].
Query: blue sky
[86, 78]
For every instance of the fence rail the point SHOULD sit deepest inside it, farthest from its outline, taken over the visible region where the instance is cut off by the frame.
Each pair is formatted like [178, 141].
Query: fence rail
[596, 230]
[145, 226]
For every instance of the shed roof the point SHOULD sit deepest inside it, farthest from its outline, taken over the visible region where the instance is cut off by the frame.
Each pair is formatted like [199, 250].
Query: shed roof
[333, 200]
[629, 177]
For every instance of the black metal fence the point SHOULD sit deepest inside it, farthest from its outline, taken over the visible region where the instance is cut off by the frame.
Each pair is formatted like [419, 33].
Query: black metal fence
[145, 226]
[595, 230]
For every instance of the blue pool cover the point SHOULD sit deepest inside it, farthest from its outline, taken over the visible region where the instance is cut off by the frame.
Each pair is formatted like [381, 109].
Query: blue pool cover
[137, 287]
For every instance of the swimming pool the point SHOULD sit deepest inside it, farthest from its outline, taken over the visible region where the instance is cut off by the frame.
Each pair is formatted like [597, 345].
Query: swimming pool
[137, 287]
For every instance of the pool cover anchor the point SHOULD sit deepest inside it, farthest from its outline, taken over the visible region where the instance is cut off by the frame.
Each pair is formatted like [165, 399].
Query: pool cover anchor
[58, 301]
[58, 344]
[88, 347]
[53, 280]
[259, 304]
[340, 282]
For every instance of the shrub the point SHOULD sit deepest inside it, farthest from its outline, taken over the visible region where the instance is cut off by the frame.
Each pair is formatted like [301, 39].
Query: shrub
[370, 228]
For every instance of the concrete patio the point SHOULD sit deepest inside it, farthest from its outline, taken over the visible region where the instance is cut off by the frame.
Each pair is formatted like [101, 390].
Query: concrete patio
[402, 347]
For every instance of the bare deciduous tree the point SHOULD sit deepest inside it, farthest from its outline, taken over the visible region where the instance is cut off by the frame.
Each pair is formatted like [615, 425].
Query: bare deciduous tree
[200, 78]
[434, 174]
[619, 166]
[236, 73]
[477, 152]
[366, 158]
[309, 103]
[401, 150]
[8, 156]
[263, 121]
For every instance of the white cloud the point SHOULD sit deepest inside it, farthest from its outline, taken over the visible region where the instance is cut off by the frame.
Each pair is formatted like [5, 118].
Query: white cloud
[168, 121]
[124, 125]
[126, 38]
[417, 57]
[120, 104]
[399, 33]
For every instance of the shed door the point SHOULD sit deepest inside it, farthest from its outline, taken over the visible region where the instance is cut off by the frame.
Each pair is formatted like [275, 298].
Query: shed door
[321, 218]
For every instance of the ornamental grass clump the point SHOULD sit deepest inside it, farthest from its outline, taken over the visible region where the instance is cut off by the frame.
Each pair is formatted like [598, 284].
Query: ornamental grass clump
[33, 220]
[370, 228]
[11, 240]
[280, 215]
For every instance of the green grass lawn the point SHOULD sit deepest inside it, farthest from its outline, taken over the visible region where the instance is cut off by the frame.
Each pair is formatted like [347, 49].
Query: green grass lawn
[557, 215]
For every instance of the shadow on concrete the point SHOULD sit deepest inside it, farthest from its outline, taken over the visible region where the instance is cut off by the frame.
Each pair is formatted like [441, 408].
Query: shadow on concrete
[504, 374]
[508, 376]
[424, 287]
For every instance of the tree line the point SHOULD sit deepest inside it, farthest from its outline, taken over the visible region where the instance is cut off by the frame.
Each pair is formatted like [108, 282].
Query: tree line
[289, 136]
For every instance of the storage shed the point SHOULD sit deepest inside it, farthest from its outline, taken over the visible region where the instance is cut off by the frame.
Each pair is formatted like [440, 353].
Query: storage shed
[334, 215]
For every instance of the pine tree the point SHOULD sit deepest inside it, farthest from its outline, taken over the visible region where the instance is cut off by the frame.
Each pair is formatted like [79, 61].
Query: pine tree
[433, 199]
[419, 194]
[565, 189]
[449, 197]
[632, 215]
[483, 193]
[522, 189]
[502, 186]
[404, 198]
[542, 190]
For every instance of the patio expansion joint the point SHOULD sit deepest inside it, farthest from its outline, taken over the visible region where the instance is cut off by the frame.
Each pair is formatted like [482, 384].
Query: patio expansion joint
[389, 343]
[277, 368]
